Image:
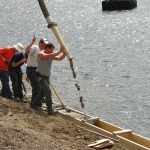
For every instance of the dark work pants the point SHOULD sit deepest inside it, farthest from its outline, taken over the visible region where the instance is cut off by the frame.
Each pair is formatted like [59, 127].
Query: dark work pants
[16, 78]
[4, 77]
[44, 91]
[31, 74]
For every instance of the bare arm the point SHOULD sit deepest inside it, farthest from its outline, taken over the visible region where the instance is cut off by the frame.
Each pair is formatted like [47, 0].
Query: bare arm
[60, 57]
[44, 56]
[19, 62]
[62, 48]
[53, 55]
[30, 45]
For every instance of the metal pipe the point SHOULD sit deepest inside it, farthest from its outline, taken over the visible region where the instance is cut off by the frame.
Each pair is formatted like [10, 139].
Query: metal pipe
[52, 25]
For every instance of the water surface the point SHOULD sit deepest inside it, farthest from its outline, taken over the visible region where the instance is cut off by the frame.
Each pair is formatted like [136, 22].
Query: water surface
[110, 53]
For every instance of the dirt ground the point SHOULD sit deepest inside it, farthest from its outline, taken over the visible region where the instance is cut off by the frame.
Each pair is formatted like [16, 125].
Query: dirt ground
[26, 129]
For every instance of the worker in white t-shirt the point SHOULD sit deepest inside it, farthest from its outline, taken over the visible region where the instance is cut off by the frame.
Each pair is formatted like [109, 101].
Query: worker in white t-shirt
[32, 65]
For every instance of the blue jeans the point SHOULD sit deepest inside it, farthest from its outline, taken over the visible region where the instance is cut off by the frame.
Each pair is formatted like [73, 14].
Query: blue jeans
[44, 91]
[4, 77]
[31, 74]
[16, 78]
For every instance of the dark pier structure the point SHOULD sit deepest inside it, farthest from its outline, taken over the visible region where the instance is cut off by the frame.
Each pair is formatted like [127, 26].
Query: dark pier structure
[110, 5]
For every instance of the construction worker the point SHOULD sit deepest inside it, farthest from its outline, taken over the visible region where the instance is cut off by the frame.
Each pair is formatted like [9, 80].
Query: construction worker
[15, 72]
[32, 65]
[5, 54]
[45, 59]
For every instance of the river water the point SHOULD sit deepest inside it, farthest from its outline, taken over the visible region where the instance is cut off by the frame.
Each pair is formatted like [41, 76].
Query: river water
[110, 53]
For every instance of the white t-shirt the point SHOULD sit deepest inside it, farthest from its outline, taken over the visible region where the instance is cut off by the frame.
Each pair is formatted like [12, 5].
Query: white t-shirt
[32, 57]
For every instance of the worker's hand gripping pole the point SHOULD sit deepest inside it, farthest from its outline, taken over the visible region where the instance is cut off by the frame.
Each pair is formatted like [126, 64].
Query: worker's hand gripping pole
[59, 38]
[52, 25]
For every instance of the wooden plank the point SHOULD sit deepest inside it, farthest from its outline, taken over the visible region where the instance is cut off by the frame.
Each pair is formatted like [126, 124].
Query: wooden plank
[104, 145]
[90, 119]
[122, 131]
[99, 142]
[135, 142]
[129, 143]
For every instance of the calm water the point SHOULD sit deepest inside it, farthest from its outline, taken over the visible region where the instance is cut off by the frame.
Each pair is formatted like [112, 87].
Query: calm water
[110, 53]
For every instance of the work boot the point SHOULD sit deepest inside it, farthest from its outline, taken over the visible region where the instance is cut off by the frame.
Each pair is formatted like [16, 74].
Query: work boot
[40, 108]
[51, 111]
[33, 106]
[37, 107]
[16, 99]
[22, 100]
[10, 97]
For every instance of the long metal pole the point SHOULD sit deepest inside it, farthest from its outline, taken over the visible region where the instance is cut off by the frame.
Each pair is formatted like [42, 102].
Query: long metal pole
[52, 25]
